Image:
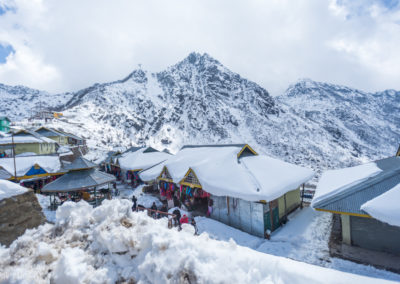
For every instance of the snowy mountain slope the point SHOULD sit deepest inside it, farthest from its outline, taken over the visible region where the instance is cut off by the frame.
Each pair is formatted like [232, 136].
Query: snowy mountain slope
[198, 100]
[19, 102]
[368, 124]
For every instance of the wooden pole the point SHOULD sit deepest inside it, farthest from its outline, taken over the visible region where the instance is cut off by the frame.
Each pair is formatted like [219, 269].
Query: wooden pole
[95, 195]
[302, 198]
[15, 166]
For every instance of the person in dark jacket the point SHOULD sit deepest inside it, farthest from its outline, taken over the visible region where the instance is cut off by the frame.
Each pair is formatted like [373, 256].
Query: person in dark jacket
[134, 200]
[177, 219]
[153, 207]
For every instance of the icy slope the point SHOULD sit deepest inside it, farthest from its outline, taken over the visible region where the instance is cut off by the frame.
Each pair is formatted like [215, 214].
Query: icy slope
[18, 102]
[111, 244]
[200, 101]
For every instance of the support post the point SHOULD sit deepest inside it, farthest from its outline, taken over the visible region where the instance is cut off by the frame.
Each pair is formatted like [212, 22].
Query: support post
[284, 197]
[95, 196]
[302, 198]
[270, 216]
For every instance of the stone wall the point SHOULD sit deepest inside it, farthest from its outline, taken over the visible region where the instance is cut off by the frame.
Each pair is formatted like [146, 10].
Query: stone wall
[17, 214]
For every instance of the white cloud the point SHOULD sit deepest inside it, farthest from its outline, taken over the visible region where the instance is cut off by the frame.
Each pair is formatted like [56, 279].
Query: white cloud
[68, 45]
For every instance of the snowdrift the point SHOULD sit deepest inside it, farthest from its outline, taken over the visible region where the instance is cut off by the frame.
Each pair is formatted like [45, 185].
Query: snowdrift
[110, 243]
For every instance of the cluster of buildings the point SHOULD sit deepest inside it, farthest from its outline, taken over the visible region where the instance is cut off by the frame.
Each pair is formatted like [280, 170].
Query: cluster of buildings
[255, 193]
[231, 183]
[36, 157]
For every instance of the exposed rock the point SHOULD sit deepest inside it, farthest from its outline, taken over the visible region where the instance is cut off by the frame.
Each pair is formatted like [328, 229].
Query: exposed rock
[17, 214]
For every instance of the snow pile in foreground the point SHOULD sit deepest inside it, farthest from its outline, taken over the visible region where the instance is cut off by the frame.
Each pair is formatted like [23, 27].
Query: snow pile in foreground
[9, 189]
[110, 243]
[385, 207]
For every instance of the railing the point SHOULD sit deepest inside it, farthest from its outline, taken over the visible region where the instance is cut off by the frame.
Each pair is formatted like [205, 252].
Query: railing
[155, 212]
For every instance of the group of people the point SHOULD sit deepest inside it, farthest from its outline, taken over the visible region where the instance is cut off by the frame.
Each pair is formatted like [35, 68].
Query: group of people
[3, 155]
[156, 213]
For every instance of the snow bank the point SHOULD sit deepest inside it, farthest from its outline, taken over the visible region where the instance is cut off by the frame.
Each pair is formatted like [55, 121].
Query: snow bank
[220, 173]
[111, 244]
[139, 160]
[385, 207]
[9, 189]
[50, 164]
[335, 181]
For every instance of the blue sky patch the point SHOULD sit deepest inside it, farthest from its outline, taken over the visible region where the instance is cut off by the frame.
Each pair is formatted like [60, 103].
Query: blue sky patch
[5, 50]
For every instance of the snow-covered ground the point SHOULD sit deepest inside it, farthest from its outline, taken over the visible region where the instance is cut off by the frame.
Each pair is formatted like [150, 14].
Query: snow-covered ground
[304, 238]
[44, 202]
[111, 244]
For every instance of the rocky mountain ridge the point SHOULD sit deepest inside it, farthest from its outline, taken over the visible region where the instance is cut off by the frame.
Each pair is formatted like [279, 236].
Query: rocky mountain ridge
[199, 101]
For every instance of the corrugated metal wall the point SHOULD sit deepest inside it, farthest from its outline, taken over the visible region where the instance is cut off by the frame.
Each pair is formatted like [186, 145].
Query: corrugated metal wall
[371, 234]
[244, 215]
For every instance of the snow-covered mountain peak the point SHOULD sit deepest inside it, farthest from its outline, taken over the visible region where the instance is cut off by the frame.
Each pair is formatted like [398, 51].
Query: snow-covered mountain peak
[200, 101]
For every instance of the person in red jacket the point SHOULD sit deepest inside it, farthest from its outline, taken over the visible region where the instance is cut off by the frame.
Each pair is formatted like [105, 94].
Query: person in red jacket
[184, 219]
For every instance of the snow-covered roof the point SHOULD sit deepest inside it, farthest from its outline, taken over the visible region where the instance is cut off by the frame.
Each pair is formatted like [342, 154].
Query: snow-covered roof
[4, 174]
[77, 180]
[221, 173]
[48, 132]
[385, 207]
[26, 154]
[79, 164]
[141, 159]
[348, 190]
[25, 136]
[335, 181]
[9, 189]
[50, 164]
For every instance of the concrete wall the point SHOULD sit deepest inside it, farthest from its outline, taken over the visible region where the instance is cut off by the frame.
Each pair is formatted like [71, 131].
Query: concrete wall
[372, 234]
[241, 214]
[38, 148]
[346, 230]
[27, 147]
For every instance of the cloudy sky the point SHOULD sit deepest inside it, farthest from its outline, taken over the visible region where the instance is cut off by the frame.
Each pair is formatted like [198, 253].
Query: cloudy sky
[66, 45]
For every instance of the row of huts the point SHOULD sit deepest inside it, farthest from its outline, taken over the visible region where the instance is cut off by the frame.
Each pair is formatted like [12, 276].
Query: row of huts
[233, 183]
[255, 193]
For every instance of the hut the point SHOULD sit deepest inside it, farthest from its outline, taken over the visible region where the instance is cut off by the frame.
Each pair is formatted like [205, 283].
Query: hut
[25, 141]
[4, 124]
[82, 181]
[365, 199]
[398, 152]
[53, 134]
[61, 137]
[31, 171]
[251, 192]
[135, 159]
